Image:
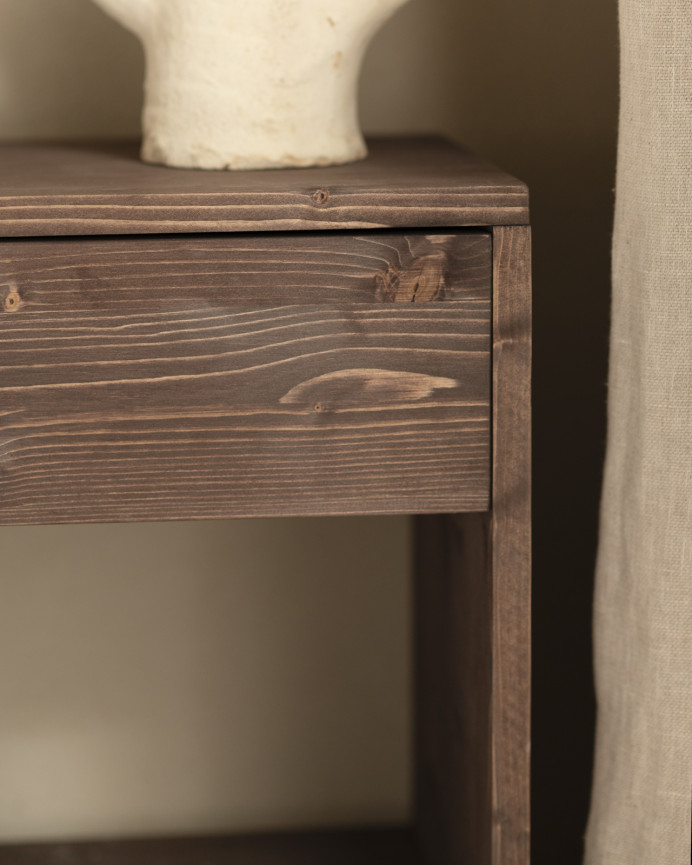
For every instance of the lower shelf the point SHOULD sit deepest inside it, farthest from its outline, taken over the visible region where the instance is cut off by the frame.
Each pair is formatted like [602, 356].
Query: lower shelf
[364, 846]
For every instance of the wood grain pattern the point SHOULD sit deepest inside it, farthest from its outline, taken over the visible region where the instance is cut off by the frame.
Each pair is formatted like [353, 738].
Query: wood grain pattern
[189, 376]
[453, 650]
[473, 634]
[365, 847]
[255, 270]
[511, 545]
[199, 377]
[61, 189]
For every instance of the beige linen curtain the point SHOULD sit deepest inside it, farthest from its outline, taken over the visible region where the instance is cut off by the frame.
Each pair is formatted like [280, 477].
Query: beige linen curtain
[640, 812]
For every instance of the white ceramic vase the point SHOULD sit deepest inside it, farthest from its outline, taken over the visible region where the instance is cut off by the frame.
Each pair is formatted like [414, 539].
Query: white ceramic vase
[252, 83]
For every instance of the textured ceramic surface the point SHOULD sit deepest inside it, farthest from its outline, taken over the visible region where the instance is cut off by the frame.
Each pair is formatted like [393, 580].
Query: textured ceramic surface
[252, 83]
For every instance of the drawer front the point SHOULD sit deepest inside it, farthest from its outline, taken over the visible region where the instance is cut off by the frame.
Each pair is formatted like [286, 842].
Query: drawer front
[244, 375]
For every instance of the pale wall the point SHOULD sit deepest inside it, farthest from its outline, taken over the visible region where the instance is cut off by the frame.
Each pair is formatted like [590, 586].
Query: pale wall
[229, 675]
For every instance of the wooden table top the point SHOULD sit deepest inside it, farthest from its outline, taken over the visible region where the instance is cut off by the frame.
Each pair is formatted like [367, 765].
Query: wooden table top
[85, 189]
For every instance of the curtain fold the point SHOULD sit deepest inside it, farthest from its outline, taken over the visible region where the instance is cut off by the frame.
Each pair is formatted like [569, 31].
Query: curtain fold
[642, 792]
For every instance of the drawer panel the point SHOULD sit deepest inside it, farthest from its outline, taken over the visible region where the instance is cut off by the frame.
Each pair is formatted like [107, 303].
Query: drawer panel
[239, 375]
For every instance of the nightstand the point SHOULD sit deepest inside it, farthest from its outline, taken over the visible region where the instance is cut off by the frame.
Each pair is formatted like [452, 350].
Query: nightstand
[342, 340]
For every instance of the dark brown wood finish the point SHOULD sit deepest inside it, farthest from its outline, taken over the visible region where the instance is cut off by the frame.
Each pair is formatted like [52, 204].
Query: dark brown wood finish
[365, 847]
[510, 543]
[127, 275]
[453, 642]
[473, 608]
[62, 189]
[297, 372]
[223, 376]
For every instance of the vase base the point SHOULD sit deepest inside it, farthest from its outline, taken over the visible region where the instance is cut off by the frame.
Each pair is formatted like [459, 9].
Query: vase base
[209, 161]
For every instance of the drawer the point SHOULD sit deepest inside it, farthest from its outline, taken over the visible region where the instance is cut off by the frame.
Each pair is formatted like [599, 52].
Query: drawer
[222, 375]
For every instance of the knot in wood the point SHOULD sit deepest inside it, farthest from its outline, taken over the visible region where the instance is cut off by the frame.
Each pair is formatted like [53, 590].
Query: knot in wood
[12, 299]
[320, 196]
[420, 281]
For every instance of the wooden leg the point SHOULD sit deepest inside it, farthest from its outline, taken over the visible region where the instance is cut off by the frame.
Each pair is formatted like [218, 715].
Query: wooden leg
[454, 690]
[472, 697]
[510, 535]
[473, 621]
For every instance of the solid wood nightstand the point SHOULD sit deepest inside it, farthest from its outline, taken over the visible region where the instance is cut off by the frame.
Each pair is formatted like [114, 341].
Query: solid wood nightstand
[344, 340]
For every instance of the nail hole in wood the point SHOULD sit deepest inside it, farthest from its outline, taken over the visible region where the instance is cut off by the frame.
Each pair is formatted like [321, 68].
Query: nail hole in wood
[320, 196]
